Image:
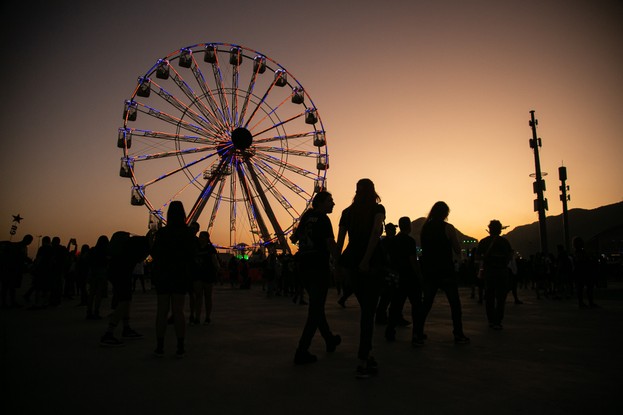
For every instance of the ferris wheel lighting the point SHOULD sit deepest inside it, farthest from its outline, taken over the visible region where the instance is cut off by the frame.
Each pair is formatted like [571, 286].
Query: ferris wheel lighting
[298, 95]
[223, 139]
[235, 57]
[162, 72]
[186, 58]
[259, 64]
[281, 78]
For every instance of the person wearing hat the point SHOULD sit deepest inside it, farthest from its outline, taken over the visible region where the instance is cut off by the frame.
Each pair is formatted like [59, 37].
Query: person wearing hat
[495, 253]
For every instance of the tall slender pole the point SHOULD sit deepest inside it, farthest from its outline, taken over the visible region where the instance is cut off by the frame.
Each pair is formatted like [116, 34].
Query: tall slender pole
[564, 197]
[540, 204]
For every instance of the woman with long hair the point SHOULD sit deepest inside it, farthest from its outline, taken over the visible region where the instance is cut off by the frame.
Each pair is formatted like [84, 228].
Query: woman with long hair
[363, 259]
[173, 251]
[439, 245]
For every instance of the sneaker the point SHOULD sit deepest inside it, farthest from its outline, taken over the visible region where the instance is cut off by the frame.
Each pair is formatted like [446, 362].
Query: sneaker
[461, 339]
[303, 357]
[497, 327]
[362, 372]
[108, 340]
[207, 321]
[180, 353]
[130, 334]
[403, 322]
[370, 369]
[159, 353]
[417, 341]
[332, 344]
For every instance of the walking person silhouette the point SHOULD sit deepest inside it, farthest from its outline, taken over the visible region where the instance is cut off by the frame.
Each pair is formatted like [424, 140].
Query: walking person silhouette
[363, 257]
[495, 252]
[439, 244]
[316, 241]
[174, 250]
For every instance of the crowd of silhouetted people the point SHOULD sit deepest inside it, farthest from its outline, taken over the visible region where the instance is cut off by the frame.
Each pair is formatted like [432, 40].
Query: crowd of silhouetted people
[381, 266]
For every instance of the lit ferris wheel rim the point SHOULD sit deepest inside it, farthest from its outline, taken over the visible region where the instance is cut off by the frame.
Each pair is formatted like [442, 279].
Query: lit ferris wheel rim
[232, 134]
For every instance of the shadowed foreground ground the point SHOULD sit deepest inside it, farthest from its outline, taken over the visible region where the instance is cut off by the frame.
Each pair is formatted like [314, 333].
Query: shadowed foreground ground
[552, 358]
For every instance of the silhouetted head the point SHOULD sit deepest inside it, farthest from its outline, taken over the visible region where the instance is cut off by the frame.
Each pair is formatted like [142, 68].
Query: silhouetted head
[390, 229]
[56, 240]
[578, 243]
[323, 201]
[404, 224]
[46, 240]
[27, 239]
[176, 215]
[194, 227]
[204, 236]
[102, 241]
[495, 227]
[439, 211]
[365, 193]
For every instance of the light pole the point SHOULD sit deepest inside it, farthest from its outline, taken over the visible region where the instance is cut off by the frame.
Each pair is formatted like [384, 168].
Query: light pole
[540, 204]
[564, 198]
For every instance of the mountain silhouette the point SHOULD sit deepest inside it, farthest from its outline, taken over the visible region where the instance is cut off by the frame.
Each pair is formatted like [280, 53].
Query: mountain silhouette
[589, 224]
[601, 228]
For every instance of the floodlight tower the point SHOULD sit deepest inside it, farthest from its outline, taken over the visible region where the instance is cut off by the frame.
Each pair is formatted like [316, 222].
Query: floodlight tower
[540, 203]
[564, 198]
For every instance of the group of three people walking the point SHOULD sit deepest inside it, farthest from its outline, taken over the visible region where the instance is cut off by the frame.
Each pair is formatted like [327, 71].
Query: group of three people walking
[364, 262]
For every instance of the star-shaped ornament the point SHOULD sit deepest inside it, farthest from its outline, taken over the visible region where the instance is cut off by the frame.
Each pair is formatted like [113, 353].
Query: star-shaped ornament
[17, 218]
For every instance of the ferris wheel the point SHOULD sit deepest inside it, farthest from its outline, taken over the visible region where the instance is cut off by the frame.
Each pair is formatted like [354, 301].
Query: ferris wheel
[230, 133]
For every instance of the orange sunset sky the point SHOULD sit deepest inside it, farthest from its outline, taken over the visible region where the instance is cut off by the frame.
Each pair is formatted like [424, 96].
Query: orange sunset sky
[429, 99]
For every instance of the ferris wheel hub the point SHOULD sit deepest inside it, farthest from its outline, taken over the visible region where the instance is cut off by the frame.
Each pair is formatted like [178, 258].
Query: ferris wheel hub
[242, 138]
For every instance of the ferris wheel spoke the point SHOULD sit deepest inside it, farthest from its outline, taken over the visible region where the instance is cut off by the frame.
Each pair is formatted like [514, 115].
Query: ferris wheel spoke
[210, 123]
[221, 91]
[262, 101]
[173, 153]
[281, 150]
[277, 177]
[290, 167]
[177, 122]
[277, 125]
[134, 132]
[214, 108]
[177, 170]
[249, 92]
[192, 96]
[283, 137]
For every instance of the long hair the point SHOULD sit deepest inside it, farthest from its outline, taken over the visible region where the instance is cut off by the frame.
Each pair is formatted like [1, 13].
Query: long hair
[364, 201]
[176, 215]
[439, 211]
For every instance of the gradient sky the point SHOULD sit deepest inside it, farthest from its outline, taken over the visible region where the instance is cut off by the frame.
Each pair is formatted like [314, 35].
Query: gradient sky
[429, 99]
